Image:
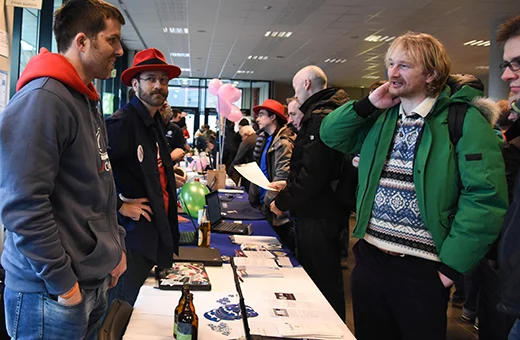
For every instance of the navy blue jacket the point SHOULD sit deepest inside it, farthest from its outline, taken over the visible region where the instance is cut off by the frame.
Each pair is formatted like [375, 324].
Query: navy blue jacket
[174, 136]
[131, 129]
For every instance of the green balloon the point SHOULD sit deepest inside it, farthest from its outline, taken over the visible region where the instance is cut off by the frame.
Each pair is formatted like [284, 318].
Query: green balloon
[193, 197]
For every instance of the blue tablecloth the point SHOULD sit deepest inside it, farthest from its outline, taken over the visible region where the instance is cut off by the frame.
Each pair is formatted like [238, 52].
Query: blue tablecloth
[237, 207]
[222, 241]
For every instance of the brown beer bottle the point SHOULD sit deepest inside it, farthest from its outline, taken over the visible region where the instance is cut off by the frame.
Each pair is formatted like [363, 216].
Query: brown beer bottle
[188, 322]
[178, 309]
[204, 229]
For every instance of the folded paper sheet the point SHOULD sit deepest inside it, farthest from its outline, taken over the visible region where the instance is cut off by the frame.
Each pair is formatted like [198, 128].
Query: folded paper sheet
[253, 173]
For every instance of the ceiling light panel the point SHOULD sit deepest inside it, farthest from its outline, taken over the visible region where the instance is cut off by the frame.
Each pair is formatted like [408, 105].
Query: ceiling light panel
[179, 54]
[245, 72]
[258, 57]
[379, 38]
[482, 43]
[175, 30]
[335, 61]
[277, 34]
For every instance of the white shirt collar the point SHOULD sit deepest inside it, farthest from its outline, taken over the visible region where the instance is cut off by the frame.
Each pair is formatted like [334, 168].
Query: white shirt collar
[422, 109]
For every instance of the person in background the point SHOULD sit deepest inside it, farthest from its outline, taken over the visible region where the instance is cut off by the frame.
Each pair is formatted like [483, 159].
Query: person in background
[319, 216]
[294, 113]
[184, 128]
[419, 222]
[201, 131]
[179, 119]
[211, 152]
[143, 172]
[244, 154]
[63, 246]
[509, 252]
[274, 161]
[173, 133]
[202, 135]
[231, 142]
[376, 85]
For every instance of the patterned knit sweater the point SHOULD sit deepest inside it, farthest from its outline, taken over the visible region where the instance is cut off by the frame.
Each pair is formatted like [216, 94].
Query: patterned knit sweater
[396, 224]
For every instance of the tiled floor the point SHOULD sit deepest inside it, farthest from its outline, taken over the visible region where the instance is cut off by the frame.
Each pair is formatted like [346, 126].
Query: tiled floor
[457, 329]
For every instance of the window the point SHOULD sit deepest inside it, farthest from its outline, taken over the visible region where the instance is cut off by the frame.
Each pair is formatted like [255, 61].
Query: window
[29, 38]
[183, 96]
[57, 4]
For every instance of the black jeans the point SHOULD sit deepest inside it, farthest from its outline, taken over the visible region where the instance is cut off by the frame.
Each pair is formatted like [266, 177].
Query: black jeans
[493, 324]
[129, 284]
[318, 249]
[286, 234]
[397, 297]
[472, 291]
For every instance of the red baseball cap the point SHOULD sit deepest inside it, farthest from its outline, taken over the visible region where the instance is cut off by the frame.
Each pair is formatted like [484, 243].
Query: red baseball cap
[150, 59]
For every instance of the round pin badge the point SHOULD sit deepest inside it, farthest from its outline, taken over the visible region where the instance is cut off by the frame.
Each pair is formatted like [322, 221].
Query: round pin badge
[355, 161]
[140, 153]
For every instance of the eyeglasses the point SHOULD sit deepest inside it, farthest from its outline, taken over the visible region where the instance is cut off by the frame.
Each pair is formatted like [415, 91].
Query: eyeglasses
[153, 80]
[513, 65]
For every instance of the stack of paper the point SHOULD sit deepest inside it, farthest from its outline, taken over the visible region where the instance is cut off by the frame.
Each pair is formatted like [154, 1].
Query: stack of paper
[269, 242]
[310, 330]
[257, 267]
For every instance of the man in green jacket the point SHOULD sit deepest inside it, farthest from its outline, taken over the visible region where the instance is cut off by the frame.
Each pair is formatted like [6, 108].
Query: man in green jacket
[427, 210]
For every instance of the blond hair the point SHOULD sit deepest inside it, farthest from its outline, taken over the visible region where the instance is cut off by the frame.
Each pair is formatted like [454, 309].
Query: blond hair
[426, 51]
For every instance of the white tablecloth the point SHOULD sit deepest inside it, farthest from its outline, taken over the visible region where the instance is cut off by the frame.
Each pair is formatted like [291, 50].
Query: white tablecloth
[152, 317]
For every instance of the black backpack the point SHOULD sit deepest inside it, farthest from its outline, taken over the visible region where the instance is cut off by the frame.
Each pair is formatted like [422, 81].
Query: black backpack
[457, 111]
[345, 186]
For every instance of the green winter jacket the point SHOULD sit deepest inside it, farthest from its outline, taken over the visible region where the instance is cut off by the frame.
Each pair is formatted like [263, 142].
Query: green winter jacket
[464, 216]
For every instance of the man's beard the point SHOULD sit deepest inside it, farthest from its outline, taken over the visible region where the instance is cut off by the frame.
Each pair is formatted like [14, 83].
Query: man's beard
[150, 99]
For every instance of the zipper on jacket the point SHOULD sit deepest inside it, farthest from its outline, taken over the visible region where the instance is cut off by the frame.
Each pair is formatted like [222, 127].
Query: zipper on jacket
[97, 123]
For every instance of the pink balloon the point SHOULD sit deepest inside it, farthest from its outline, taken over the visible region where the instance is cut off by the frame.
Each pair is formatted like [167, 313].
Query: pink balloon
[235, 115]
[214, 85]
[224, 107]
[237, 93]
[229, 92]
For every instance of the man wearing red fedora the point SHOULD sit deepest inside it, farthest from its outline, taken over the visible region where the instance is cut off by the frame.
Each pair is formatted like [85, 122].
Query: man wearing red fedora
[143, 172]
[274, 160]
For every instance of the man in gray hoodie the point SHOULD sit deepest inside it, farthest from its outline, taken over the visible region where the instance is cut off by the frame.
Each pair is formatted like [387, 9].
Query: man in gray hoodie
[63, 246]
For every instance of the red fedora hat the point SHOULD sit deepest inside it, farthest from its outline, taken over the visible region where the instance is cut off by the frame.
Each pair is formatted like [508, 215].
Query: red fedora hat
[150, 59]
[273, 106]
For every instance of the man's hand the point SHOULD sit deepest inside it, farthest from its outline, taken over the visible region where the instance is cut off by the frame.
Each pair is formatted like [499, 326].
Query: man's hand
[118, 270]
[177, 154]
[382, 98]
[278, 185]
[275, 209]
[445, 280]
[70, 300]
[135, 208]
[180, 180]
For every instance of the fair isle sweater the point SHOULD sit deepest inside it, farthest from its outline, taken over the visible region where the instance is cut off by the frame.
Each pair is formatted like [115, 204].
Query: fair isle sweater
[396, 224]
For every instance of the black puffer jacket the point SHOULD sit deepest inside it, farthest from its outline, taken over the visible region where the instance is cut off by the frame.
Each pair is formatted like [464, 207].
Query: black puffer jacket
[313, 164]
[509, 252]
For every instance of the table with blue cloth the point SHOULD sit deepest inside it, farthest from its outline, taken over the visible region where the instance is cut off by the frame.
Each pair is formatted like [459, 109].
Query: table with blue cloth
[237, 207]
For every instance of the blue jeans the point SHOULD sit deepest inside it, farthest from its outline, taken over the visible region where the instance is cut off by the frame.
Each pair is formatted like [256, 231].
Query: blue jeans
[38, 316]
[514, 334]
